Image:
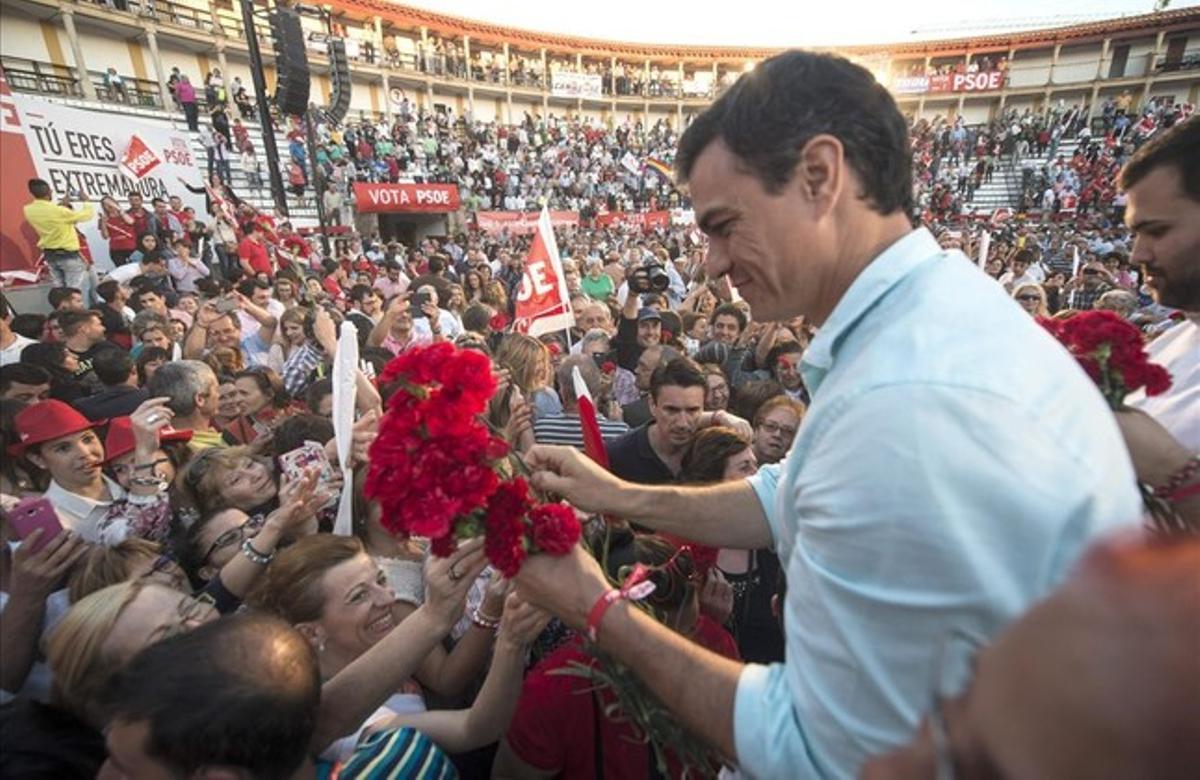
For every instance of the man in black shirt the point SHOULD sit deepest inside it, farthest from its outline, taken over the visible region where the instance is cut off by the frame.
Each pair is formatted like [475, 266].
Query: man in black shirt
[117, 371]
[84, 334]
[651, 454]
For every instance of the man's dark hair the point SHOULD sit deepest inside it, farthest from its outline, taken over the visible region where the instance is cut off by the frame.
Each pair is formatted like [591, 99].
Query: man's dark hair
[476, 317]
[107, 290]
[247, 286]
[1026, 256]
[72, 321]
[679, 372]
[113, 366]
[316, 392]
[38, 188]
[157, 200]
[6, 311]
[57, 295]
[770, 113]
[22, 374]
[360, 291]
[1178, 147]
[29, 325]
[730, 310]
[436, 265]
[240, 692]
[778, 351]
[299, 428]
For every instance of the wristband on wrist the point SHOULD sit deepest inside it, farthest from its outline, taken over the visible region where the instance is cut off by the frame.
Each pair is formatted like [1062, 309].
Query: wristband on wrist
[254, 556]
[1184, 493]
[637, 587]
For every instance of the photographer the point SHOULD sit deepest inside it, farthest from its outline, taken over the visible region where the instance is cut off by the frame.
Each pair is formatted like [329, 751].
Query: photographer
[639, 329]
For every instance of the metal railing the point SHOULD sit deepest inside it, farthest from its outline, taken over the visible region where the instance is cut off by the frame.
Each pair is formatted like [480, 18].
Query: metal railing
[43, 78]
[1188, 60]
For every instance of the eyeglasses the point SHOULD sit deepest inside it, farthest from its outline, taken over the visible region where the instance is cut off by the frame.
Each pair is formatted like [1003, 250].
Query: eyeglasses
[191, 609]
[1091, 272]
[1029, 297]
[771, 427]
[235, 535]
[128, 468]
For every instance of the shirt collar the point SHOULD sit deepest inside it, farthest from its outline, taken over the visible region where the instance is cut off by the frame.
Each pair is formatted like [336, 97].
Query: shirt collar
[873, 282]
[75, 505]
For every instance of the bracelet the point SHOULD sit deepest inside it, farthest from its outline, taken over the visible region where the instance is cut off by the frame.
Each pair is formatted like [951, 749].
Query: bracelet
[154, 482]
[254, 556]
[483, 621]
[1179, 478]
[637, 587]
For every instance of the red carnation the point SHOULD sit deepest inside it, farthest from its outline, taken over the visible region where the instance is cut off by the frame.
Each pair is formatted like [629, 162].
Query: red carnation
[609, 367]
[444, 546]
[667, 336]
[1112, 352]
[554, 348]
[556, 529]
[498, 322]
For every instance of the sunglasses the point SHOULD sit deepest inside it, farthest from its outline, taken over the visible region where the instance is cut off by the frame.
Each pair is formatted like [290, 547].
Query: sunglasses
[1029, 298]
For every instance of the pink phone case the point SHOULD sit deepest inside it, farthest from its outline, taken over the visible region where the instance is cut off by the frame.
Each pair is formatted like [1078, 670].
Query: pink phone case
[32, 514]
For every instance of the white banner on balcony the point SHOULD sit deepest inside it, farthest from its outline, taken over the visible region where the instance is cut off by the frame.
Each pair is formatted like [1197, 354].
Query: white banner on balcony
[83, 151]
[576, 85]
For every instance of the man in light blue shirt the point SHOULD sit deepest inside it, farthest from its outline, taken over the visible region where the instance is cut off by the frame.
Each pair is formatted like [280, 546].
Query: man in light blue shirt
[954, 463]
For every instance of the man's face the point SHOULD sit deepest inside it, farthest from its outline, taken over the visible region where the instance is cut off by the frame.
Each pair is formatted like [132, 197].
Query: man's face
[261, 296]
[1166, 225]
[156, 338]
[1019, 268]
[73, 302]
[787, 370]
[225, 333]
[774, 434]
[371, 303]
[1093, 275]
[176, 203]
[27, 393]
[780, 251]
[725, 329]
[593, 316]
[1024, 715]
[645, 367]
[285, 290]
[94, 329]
[677, 412]
[135, 202]
[153, 301]
[160, 209]
[649, 333]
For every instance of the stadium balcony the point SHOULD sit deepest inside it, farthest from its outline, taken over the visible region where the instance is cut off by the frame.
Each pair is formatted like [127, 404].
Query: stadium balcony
[493, 72]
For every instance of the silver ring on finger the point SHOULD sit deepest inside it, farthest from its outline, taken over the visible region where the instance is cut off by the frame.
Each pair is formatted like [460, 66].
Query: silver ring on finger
[153, 418]
[454, 575]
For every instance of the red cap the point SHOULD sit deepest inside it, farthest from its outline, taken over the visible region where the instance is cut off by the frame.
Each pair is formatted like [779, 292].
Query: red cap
[47, 420]
[119, 440]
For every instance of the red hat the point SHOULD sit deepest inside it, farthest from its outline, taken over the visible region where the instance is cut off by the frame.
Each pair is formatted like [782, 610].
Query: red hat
[119, 440]
[47, 420]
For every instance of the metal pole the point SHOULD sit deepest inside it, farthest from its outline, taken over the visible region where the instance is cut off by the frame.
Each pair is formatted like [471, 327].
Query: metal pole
[278, 193]
[318, 178]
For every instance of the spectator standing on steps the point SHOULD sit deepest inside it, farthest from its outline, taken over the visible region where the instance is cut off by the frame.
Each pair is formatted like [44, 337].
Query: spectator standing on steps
[185, 94]
[58, 238]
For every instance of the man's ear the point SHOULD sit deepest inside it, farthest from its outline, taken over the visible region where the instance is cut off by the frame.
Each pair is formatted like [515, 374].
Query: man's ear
[821, 171]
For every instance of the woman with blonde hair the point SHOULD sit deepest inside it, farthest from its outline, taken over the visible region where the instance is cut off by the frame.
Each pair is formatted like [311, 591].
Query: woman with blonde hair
[494, 295]
[531, 370]
[132, 559]
[1032, 299]
[330, 589]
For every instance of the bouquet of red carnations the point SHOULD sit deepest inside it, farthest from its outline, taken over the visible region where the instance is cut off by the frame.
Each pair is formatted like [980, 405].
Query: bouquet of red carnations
[1111, 351]
[436, 469]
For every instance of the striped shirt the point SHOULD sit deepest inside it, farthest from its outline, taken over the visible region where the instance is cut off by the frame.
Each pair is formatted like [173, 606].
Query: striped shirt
[565, 429]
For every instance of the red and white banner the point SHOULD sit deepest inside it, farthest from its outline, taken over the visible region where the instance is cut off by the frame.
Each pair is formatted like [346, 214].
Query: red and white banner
[406, 198]
[543, 305]
[139, 159]
[521, 223]
[949, 82]
[73, 149]
[647, 220]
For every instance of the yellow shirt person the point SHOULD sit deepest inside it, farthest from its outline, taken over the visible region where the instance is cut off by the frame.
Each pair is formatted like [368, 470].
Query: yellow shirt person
[55, 224]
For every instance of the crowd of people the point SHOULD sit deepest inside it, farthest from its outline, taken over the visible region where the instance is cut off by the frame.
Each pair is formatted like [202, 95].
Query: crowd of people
[816, 418]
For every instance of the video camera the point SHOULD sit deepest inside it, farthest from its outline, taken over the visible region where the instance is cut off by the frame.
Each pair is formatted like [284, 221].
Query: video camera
[651, 277]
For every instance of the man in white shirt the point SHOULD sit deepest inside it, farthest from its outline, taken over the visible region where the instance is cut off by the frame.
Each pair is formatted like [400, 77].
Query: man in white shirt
[1164, 213]
[11, 343]
[436, 321]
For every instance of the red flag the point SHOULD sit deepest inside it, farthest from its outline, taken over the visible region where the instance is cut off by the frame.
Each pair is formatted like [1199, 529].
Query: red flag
[593, 442]
[543, 305]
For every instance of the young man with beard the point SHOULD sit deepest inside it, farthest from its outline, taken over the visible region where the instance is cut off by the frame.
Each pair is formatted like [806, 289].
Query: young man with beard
[1163, 184]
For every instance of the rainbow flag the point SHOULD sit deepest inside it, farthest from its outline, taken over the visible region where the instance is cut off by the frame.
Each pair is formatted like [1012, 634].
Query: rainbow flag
[661, 168]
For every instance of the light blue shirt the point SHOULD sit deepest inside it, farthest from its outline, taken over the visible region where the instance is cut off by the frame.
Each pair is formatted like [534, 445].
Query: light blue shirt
[953, 464]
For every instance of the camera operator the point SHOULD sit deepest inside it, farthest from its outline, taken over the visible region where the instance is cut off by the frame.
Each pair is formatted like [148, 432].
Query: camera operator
[637, 329]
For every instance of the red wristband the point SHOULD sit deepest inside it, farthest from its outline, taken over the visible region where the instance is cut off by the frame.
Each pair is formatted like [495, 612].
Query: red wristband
[596, 614]
[1184, 493]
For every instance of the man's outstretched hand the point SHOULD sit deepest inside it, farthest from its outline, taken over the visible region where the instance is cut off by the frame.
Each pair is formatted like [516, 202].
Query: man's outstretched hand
[567, 472]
